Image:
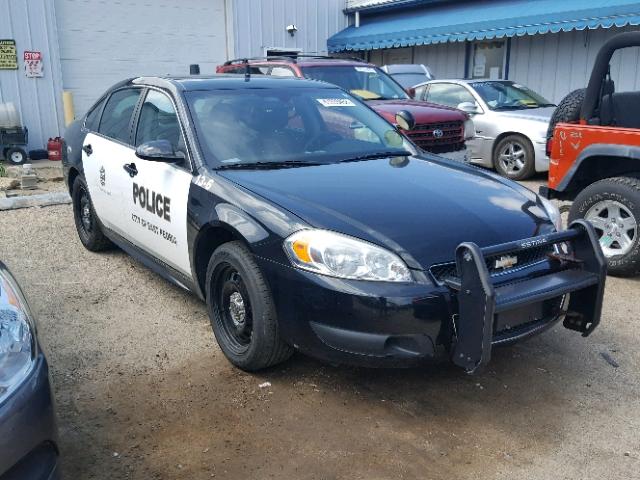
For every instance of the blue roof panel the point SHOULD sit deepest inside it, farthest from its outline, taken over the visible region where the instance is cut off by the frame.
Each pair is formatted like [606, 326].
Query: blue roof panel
[482, 20]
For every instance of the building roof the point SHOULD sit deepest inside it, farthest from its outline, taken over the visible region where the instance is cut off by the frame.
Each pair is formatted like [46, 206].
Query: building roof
[423, 24]
[370, 5]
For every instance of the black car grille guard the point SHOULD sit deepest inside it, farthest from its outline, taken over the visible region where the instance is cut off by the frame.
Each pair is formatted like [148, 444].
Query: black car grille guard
[481, 296]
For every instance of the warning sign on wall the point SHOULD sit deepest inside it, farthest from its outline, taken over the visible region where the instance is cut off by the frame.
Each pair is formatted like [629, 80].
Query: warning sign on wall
[33, 64]
[8, 55]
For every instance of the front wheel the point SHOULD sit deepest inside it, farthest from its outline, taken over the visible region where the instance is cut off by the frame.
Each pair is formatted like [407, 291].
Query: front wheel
[514, 158]
[86, 220]
[241, 310]
[612, 206]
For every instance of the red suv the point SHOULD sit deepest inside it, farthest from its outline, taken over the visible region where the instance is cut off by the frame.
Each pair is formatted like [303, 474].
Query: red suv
[440, 130]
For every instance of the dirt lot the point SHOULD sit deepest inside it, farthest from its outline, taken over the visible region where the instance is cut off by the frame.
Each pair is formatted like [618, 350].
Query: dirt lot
[144, 392]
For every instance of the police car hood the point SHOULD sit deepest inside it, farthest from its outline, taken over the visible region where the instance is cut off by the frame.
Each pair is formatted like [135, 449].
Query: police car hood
[420, 208]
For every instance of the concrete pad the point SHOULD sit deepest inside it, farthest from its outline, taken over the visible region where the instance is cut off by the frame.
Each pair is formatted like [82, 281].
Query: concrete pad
[43, 200]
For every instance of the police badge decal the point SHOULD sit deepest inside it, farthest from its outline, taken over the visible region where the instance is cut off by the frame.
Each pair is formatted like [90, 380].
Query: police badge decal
[103, 177]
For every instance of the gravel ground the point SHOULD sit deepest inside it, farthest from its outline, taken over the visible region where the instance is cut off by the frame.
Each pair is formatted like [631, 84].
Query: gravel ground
[143, 391]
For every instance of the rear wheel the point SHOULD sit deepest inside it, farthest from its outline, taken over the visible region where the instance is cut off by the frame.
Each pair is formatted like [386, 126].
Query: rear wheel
[241, 310]
[513, 157]
[86, 220]
[612, 206]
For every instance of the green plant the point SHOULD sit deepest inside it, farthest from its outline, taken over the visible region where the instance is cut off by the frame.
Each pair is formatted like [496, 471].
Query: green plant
[3, 172]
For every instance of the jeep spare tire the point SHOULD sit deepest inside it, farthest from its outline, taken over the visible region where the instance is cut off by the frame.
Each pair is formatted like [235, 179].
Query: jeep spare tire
[567, 111]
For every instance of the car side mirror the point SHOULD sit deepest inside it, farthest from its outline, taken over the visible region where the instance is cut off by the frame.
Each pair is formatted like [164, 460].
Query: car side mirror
[158, 151]
[472, 108]
[405, 120]
[410, 91]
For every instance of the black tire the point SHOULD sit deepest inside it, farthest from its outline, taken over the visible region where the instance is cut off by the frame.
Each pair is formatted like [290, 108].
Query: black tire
[16, 156]
[520, 148]
[567, 111]
[87, 222]
[624, 191]
[246, 327]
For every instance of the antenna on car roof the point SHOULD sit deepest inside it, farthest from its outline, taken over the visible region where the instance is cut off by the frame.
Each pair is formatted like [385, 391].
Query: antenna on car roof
[247, 69]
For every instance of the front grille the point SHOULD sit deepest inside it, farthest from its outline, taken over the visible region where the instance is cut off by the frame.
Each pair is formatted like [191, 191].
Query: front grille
[451, 139]
[526, 258]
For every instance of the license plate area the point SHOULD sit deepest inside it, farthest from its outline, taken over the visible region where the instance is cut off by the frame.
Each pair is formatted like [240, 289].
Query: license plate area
[512, 322]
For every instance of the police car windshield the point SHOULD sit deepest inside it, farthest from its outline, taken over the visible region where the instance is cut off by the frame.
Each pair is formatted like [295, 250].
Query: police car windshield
[288, 126]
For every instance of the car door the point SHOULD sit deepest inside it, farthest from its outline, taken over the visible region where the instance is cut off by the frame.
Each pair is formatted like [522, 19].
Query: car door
[106, 148]
[156, 201]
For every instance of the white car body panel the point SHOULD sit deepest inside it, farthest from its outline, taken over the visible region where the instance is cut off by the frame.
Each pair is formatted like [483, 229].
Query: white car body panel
[156, 218]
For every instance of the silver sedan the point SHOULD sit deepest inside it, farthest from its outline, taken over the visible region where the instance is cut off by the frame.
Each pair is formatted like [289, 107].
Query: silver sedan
[511, 122]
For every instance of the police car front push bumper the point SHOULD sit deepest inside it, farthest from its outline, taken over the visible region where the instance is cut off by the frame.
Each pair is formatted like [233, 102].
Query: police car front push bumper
[579, 273]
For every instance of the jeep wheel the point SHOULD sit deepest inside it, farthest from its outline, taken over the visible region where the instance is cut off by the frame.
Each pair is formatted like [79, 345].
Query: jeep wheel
[612, 206]
[87, 223]
[241, 310]
[513, 157]
[567, 111]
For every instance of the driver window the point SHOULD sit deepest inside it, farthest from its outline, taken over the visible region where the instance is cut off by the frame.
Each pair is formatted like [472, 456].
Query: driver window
[448, 94]
[159, 121]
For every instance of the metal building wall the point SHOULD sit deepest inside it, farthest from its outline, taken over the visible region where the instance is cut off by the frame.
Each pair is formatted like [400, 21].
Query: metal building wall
[261, 24]
[103, 42]
[555, 64]
[446, 60]
[32, 25]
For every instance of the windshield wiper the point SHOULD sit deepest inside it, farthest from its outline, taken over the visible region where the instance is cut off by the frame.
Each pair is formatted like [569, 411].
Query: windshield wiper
[374, 155]
[268, 165]
[511, 107]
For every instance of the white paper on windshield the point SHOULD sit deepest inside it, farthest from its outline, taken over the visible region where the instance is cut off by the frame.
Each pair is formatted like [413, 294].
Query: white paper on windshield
[336, 102]
[365, 69]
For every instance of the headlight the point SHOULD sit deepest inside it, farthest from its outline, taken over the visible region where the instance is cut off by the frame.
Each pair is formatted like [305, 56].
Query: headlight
[17, 342]
[338, 255]
[553, 213]
[469, 129]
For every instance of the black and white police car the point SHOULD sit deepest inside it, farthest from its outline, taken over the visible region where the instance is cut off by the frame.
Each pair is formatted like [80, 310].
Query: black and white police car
[306, 221]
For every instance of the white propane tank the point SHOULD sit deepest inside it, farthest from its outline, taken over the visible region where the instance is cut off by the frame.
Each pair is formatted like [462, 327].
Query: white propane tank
[9, 116]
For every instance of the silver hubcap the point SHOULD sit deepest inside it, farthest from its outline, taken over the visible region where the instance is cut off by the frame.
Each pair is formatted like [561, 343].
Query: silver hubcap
[616, 226]
[236, 309]
[512, 158]
[16, 157]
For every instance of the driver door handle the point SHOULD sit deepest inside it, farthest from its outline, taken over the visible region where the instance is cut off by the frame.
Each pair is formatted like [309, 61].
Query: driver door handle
[87, 149]
[131, 169]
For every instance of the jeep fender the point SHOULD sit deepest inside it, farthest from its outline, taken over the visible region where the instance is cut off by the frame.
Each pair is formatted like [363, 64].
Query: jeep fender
[596, 162]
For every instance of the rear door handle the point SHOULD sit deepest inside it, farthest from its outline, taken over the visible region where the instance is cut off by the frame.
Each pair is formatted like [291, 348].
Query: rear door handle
[87, 149]
[131, 169]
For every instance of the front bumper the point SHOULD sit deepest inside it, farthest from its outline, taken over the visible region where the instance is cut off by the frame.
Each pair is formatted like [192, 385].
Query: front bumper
[28, 435]
[463, 155]
[540, 154]
[387, 324]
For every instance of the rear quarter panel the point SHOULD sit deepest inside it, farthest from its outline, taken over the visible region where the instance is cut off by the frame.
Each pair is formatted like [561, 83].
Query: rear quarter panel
[570, 140]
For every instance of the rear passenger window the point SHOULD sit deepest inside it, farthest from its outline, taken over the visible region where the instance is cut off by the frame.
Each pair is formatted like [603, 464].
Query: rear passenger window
[282, 72]
[93, 117]
[116, 117]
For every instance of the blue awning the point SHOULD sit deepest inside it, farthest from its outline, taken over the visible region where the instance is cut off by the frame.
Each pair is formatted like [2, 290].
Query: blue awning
[482, 20]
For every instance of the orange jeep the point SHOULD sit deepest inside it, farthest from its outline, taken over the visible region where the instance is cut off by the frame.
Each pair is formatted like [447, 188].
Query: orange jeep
[594, 150]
